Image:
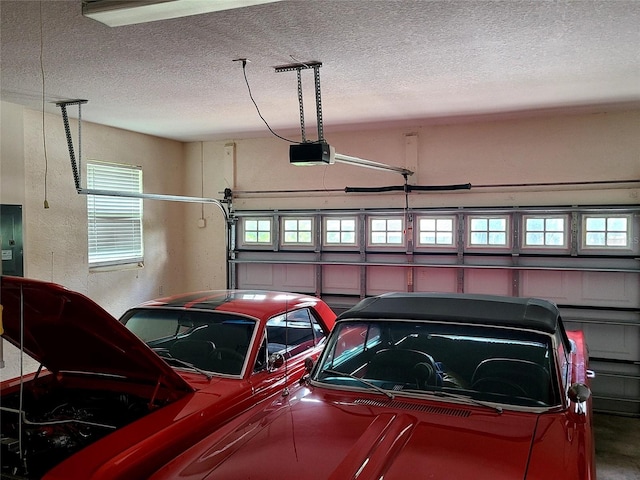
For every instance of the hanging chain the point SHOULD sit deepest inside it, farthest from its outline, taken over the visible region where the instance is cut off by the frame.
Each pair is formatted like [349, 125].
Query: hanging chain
[65, 120]
[316, 76]
[79, 144]
[301, 102]
[298, 67]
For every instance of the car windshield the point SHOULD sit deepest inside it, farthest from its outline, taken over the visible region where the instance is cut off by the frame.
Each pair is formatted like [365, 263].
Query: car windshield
[502, 365]
[210, 341]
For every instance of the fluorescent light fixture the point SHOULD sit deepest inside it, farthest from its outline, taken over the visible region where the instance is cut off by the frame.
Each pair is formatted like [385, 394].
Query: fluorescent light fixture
[361, 162]
[116, 13]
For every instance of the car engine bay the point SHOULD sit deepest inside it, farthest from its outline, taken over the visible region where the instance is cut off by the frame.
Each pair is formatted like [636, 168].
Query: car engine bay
[43, 426]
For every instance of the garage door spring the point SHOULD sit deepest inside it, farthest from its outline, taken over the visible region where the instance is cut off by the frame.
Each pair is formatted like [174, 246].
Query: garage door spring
[65, 118]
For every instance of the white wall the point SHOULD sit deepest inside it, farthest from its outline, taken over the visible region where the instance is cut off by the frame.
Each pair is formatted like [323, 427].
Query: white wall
[55, 239]
[182, 256]
[569, 148]
[209, 169]
[585, 148]
[11, 153]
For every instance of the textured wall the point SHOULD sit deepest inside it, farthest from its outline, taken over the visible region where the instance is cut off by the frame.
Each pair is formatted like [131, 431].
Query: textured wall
[56, 237]
[577, 148]
[564, 148]
[11, 154]
[181, 256]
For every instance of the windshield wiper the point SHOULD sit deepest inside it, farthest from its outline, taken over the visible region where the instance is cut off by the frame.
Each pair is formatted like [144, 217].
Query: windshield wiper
[167, 356]
[193, 367]
[459, 396]
[361, 380]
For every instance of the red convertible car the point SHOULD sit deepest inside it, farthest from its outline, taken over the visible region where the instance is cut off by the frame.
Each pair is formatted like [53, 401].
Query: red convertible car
[421, 386]
[116, 400]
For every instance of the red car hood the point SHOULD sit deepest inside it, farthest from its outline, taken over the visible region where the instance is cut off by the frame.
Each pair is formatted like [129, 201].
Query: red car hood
[328, 436]
[67, 332]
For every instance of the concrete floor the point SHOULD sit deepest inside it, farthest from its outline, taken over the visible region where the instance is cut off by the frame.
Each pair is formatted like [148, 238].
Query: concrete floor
[617, 447]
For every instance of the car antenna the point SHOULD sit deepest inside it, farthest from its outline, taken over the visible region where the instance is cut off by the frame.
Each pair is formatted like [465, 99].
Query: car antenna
[285, 391]
[21, 396]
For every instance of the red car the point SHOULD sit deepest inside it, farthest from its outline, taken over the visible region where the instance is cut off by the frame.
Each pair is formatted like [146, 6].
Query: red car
[115, 400]
[421, 386]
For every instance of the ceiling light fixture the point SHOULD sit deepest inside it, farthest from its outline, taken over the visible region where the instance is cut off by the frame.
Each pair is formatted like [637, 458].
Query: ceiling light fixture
[116, 13]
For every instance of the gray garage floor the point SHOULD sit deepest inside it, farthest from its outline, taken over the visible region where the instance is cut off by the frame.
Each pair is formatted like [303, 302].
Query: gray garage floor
[617, 447]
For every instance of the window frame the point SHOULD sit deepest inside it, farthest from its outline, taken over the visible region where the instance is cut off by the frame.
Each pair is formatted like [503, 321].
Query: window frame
[283, 231]
[295, 348]
[566, 232]
[628, 232]
[386, 245]
[114, 220]
[436, 246]
[337, 245]
[488, 246]
[257, 244]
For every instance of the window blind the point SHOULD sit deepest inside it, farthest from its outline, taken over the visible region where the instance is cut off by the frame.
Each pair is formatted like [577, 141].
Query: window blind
[115, 223]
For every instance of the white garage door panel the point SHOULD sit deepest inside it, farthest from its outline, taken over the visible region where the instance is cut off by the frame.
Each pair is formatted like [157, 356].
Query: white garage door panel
[616, 387]
[550, 285]
[485, 281]
[610, 341]
[256, 275]
[435, 279]
[611, 289]
[386, 279]
[340, 280]
[608, 289]
[297, 278]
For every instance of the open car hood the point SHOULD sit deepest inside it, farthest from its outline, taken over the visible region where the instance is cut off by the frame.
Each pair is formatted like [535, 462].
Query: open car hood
[67, 332]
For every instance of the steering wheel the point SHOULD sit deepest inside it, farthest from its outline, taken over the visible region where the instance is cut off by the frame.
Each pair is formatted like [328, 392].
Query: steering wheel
[425, 371]
[403, 366]
[499, 385]
[221, 353]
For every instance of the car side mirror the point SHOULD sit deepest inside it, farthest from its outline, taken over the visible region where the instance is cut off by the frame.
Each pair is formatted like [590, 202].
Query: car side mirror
[276, 360]
[579, 393]
[308, 364]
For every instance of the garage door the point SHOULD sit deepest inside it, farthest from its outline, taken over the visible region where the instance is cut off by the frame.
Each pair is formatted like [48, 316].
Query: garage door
[583, 259]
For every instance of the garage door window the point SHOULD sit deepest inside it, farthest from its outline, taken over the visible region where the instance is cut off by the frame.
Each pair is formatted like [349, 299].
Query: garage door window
[436, 231]
[297, 231]
[114, 223]
[340, 231]
[545, 231]
[386, 231]
[257, 231]
[488, 231]
[606, 231]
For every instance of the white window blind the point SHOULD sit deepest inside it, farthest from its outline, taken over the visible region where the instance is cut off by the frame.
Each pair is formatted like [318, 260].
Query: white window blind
[115, 223]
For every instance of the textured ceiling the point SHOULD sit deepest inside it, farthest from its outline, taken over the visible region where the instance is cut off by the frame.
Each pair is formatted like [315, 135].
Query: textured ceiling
[411, 62]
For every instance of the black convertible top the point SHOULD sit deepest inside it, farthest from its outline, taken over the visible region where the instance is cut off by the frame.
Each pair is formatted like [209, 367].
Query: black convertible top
[530, 313]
